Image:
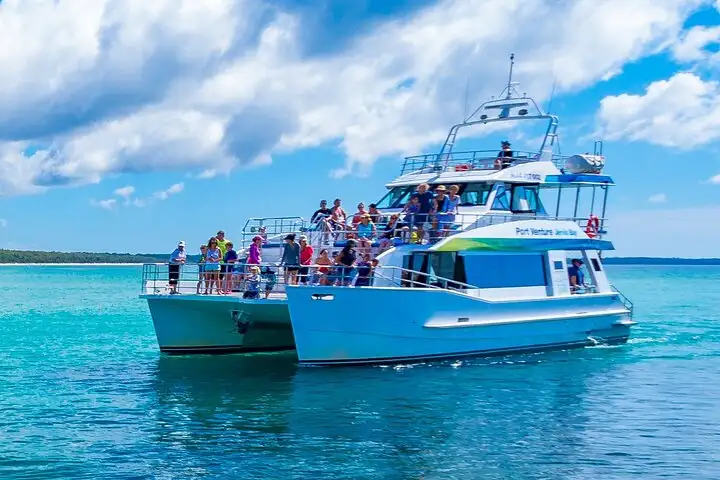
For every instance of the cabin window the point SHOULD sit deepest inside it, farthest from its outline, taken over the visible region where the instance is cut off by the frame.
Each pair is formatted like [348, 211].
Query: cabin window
[397, 197]
[505, 271]
[502, 198]
[595, 264]
[526, 199]
[475, 194]
[558, 265]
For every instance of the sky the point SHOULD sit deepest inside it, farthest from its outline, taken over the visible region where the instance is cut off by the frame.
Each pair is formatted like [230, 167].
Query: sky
[127, 125]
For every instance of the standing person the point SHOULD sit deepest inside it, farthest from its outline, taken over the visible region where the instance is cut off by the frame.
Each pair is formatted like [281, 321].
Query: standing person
[229, 259]
[212, 267]
[290, 259]
[323, 264]
[346, 260]
[441, 207]
[255, 251]
[177, 259]
[201, 268]
[270, 278]
[306, 256]
[576, 275]
[504, 158]
[426, 201]
[453, 208]
[222, 245]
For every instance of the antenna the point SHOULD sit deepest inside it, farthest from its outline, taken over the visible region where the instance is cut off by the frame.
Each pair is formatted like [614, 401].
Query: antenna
[509, 85]
[552, 95]
[467, 82]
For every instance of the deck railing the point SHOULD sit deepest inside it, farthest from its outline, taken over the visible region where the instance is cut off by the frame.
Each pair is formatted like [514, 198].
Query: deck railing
[471, 160]
[324, 234]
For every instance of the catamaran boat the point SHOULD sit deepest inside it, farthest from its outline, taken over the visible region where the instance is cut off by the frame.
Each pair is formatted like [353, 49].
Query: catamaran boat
[494, 281]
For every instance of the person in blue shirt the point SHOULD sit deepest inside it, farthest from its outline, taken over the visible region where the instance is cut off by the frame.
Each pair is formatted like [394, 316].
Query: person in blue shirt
[230, 258]
[576, 275]
[426, 199]
[177, 258]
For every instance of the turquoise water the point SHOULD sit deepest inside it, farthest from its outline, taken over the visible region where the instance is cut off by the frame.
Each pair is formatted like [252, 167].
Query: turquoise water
[84, 393]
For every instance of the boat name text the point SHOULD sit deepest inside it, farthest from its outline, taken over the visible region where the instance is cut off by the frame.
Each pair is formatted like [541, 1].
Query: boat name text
[546, 232]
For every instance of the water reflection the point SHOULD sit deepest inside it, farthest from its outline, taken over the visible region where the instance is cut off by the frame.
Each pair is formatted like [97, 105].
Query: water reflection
[520, 417]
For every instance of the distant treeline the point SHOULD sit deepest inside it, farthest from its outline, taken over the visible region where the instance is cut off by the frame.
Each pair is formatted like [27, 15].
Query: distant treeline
[659, 261]
[23, 256]
[26, 256]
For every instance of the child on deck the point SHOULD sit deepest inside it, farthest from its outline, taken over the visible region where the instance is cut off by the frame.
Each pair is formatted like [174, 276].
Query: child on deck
[270, 278]
[252, 283]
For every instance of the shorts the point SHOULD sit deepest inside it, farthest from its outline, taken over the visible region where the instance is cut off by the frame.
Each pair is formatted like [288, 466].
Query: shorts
[174, 273]
[224, 268]
[212, 267]
[292, 269]
[201, 268]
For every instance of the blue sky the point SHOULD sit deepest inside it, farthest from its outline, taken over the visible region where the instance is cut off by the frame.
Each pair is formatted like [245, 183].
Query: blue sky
[126, 126]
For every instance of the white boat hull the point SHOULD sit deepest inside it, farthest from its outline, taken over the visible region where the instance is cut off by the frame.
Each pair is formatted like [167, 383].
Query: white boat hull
[187, 324]
[379, 325]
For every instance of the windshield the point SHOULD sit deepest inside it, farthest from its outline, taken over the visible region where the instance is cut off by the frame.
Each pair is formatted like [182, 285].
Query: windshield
[397, 197]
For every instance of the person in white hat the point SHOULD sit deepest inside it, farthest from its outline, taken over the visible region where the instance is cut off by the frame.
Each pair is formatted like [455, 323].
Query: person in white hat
[177, 258]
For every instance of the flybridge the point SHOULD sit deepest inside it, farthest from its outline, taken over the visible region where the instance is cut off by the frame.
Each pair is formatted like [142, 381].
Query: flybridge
[512, 107]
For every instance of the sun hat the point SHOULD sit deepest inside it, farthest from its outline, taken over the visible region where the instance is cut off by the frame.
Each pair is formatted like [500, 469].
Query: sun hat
[302, 237]
[257, 237]
[440, 188]
[181, 243]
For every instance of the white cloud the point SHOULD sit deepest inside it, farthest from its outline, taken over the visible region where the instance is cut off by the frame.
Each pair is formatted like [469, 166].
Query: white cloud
[172, 190]
[683, 111]
[3, 223]
[692, 46]
[658, 198]
[125, 192]
[715, 179]
[139, 86]
[108, 204]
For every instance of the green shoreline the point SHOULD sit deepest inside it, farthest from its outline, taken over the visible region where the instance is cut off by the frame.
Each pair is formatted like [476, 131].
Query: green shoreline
[29, 256]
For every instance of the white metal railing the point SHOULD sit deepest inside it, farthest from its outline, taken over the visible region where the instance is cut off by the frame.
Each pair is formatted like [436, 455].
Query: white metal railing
[471, 160]
[437, 227]
[625, 300]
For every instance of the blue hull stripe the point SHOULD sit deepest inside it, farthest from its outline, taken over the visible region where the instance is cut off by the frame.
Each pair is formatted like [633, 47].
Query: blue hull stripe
[474, 353]
[219, 349]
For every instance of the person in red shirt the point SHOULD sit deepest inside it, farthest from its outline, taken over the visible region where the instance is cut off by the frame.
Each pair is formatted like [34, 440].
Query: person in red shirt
[306, 256]
[357, 218]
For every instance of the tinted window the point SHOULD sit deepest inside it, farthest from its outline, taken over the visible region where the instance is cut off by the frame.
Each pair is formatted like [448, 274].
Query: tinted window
[475, 194]
[595, 264]
[395, 198]
[502, 199]
[502, 271]
[526, 199]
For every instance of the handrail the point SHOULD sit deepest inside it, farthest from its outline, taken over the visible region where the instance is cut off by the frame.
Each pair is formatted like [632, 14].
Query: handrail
[409, 274]
[472, 160]
[625, 300]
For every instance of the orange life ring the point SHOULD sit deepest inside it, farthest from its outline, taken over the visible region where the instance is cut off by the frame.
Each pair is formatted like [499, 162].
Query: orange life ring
[592, 227]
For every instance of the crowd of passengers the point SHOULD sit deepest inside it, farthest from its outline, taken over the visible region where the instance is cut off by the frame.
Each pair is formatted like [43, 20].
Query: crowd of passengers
[426, 214]
[222, 271]
[220, 268]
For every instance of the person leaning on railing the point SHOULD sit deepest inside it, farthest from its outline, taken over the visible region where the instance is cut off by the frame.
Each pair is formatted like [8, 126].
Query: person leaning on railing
[201, 268]
[177, 259]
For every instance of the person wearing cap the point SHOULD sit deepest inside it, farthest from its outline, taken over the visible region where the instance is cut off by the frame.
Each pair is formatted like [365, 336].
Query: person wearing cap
[576, 275]
[504, 158]
[321, 218]
[374, 213]
[252, 283]
[306, 257]
[442, 204]
[177, 258]
[290, 259]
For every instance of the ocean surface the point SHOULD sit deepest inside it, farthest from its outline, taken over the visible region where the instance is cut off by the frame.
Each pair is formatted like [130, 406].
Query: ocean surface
[84, 393]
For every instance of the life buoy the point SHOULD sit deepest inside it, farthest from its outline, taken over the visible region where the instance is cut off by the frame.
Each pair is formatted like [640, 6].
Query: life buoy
[592, 228]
